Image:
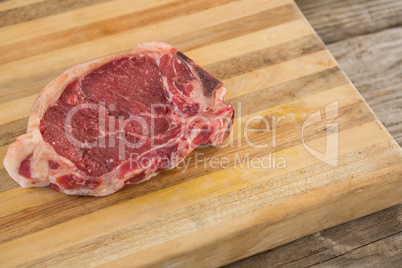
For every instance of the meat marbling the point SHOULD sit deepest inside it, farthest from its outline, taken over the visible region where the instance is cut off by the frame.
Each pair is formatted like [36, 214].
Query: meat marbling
[119, 120]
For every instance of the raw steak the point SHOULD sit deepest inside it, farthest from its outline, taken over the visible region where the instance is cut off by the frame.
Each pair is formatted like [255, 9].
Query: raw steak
[119, 120]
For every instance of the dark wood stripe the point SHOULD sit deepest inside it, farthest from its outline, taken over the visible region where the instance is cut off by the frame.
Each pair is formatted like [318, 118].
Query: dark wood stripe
[36, 218]
[27, 86]
[6, 182]
[42, 9]
[265, 57]
[9, 131]
[88, 32]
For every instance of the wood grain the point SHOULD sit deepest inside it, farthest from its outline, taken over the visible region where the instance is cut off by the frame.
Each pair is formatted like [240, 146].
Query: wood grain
[373, 63]
[336, 20]
[274, 65]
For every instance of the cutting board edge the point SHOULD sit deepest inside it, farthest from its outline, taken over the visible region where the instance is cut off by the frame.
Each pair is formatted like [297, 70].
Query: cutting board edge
[303, 209]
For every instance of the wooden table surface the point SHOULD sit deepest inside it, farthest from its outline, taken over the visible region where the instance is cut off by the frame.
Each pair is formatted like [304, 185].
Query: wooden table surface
[365, 37]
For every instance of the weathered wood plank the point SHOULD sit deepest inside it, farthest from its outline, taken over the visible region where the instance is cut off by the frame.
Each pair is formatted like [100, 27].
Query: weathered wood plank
[374, 64]
[371, 241]
[336, 20]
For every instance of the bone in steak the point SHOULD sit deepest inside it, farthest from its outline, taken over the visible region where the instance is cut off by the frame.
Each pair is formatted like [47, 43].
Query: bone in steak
[118, 121]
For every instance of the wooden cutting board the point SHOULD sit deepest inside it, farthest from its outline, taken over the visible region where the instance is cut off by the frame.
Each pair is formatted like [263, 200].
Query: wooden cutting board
[307, 151]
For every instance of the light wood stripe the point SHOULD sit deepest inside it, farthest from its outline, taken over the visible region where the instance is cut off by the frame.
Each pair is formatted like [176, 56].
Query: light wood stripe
[13, 202]
[145, 208]
[9, 113]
